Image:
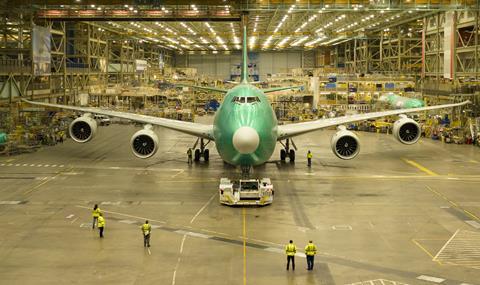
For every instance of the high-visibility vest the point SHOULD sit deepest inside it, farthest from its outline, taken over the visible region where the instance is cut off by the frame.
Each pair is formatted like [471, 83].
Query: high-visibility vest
[96, 212]
[309, 155]
[290, 249]
[101, 222]
[146, 229]
[310, 249]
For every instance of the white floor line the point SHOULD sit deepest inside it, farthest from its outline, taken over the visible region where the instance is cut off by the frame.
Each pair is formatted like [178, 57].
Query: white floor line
[178, 260]
[126, 215]
[430, 278]
[445, 245]
[180, 172]
[203, 208]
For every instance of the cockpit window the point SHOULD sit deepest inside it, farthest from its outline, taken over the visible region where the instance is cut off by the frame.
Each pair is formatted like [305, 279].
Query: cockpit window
[252, 99]
[239, 100]
[242, 100]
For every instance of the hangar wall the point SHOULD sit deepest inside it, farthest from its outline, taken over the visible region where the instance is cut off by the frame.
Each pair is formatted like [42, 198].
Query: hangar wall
[219, 65]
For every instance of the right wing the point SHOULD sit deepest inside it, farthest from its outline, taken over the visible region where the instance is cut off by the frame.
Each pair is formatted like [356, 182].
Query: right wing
[291, 130]
[194, 129]
[203, 88]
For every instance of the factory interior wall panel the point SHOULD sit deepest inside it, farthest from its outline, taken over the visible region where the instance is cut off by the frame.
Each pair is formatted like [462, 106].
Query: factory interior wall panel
[266, 65]
[220, 65]
[223, 64]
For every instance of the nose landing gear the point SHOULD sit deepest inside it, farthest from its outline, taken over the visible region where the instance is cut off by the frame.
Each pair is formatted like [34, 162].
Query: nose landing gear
[287, 151]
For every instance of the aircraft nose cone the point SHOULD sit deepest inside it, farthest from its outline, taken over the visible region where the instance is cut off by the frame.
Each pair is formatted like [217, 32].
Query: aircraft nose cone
[246, 140]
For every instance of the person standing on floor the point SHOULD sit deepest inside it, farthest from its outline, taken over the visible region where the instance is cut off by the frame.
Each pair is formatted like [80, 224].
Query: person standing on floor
[309, 158]
[95, 213]
[101, 224]
[310, 251]
[146, 230]
[290, 250]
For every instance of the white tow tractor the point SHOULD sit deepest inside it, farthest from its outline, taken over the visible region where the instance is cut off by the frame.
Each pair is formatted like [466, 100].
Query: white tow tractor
[252, 192]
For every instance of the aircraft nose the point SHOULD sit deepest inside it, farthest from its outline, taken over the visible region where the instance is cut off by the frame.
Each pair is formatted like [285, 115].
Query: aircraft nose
[246, 140]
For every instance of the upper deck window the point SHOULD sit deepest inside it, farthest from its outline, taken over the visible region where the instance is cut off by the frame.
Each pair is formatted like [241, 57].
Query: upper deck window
[243, 100]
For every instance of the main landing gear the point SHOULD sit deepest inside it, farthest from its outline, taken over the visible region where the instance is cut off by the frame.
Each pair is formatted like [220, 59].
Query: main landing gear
[287, 151]
[202, 151]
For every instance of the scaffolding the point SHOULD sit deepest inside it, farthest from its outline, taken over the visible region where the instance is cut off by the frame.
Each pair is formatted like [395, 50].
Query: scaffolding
[84, 56]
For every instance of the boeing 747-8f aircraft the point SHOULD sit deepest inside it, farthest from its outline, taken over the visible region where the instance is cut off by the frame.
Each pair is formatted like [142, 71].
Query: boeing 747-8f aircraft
[245, 129]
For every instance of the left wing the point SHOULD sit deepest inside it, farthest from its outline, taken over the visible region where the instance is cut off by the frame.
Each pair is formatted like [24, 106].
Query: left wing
[194, 129]
[291, 130]
[268, 90]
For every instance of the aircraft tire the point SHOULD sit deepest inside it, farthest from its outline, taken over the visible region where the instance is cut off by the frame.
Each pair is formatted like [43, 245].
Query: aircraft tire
[283, 155]
[291, 155]
[197, 155]
[206, 155]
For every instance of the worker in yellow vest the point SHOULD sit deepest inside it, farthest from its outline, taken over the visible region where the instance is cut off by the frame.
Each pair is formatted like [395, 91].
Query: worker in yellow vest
[310, 251]
[101, 224]
[146, 230]
[309, 158]
[290, 250]
[95, 213]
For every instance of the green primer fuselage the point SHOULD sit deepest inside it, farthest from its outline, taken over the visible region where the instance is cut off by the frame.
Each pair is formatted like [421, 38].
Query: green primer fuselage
[258, 115]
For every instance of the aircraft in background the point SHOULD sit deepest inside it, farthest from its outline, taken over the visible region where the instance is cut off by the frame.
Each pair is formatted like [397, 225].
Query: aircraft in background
[245, 128]
[400, 102]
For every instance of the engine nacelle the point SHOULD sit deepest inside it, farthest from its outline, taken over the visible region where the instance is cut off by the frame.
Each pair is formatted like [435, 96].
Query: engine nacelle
[406, 130]
[83, 129]
[345, 144]
[144, 142]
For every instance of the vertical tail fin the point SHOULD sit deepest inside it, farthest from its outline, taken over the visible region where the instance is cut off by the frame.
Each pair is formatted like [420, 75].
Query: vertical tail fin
[244, 56]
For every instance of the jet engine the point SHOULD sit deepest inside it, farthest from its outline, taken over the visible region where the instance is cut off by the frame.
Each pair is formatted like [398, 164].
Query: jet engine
[345, 144]
[406, 130]
[83, 129]
[144, 143]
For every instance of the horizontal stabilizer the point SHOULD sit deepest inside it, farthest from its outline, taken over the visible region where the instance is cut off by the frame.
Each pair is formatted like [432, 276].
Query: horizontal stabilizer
[274, 89]
[203, 88]
[250, 82]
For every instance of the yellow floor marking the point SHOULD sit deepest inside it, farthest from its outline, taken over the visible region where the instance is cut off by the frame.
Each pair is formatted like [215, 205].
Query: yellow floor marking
[426, 251]
[468, 213]
[473, 161]
[471, 215]
[244, 249]
[419, 166]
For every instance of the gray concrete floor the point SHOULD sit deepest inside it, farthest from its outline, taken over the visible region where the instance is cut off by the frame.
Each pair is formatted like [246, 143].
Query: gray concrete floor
[395, 212]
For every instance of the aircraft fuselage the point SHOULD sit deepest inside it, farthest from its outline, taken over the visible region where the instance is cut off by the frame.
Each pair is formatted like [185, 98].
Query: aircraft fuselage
[245, 127]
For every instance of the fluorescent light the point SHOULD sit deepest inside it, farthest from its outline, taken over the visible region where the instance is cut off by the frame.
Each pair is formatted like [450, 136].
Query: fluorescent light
[299, 41]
